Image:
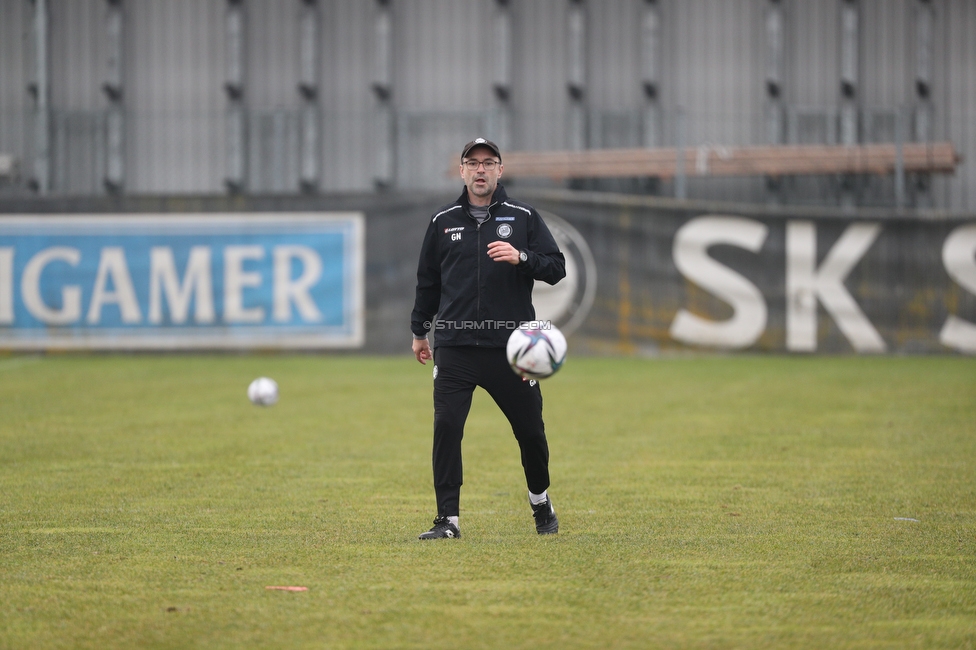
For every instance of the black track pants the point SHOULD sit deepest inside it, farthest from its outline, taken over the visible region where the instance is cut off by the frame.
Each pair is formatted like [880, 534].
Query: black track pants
[457, 371]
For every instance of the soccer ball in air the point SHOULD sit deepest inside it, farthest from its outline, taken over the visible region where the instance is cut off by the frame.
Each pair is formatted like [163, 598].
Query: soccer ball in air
[263, 391]
[536, 353]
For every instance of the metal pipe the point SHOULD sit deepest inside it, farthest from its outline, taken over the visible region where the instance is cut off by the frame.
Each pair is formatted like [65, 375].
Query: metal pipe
[42, 110]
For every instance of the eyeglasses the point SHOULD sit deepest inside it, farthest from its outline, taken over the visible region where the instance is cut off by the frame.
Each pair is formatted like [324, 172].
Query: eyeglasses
[472, 165]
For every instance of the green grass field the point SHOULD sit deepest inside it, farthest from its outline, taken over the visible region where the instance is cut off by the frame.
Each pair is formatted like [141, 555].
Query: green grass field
[713, 502]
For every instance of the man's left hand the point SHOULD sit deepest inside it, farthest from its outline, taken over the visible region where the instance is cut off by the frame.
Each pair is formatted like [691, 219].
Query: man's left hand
[502, 251]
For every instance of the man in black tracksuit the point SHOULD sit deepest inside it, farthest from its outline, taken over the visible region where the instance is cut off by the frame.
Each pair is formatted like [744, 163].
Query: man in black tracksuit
[480, 258]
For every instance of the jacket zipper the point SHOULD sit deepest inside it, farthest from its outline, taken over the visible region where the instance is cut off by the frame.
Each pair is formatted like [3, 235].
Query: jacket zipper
[478, 276]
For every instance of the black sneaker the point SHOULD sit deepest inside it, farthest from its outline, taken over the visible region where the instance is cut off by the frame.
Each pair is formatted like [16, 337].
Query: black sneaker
[545, 518]
[443, 529]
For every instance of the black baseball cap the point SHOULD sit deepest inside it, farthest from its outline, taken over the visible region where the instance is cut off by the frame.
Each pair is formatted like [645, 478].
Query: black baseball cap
[480, 142]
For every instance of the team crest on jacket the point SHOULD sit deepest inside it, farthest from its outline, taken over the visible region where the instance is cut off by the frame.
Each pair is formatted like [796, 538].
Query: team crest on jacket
[504, 231]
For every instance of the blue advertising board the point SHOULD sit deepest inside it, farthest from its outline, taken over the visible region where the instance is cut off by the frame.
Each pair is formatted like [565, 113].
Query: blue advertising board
[186, 281]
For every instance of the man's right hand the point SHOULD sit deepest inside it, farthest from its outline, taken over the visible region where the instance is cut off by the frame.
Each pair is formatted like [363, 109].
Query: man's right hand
[421, 350]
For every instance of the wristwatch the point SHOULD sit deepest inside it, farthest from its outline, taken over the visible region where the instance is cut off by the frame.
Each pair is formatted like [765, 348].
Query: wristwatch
[523, 256]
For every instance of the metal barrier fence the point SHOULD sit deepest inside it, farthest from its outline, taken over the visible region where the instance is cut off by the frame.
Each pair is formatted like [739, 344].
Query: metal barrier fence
[190, 152]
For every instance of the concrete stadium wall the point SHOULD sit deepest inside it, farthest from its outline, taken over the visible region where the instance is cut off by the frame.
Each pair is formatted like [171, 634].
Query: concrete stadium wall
[655, 275]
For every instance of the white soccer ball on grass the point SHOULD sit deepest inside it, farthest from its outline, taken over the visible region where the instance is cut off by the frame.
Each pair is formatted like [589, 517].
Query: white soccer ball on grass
[263, 391]
[536, 353]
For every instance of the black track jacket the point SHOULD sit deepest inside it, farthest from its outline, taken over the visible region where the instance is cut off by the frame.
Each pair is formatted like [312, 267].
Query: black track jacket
[477, 300]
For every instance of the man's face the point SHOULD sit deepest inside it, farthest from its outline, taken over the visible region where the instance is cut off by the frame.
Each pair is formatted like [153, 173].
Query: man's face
[481, 182]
